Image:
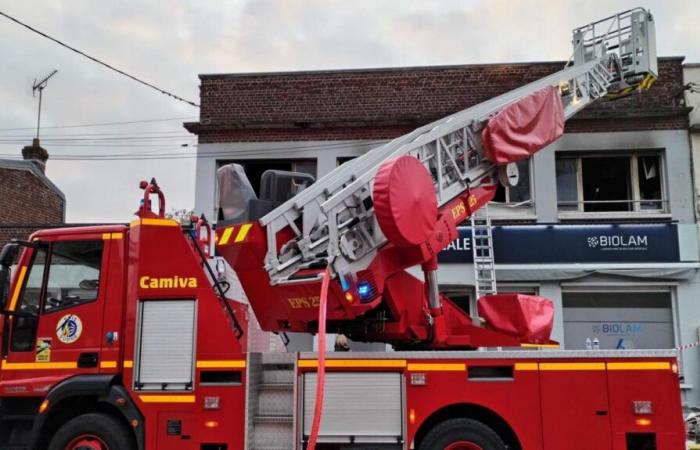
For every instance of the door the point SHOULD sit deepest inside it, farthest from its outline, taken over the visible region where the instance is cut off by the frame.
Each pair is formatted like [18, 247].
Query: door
[58, 327]
[575, 402]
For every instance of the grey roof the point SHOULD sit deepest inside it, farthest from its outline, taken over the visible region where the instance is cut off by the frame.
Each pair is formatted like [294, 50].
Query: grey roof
[21, 164]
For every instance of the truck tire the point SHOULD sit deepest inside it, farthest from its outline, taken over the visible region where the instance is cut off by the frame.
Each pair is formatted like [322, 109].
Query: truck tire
[94, 432]
[462, 434]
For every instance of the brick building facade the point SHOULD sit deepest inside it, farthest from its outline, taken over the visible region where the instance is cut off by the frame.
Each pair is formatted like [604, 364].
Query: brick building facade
[621, 173]
[30, 200]
[385, 103]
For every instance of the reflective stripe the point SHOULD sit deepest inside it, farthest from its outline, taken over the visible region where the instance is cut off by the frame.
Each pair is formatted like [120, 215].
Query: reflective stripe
[128, 364]
[108, 364]
[231, 364]
[656, 365]
[243, 232]
[367, 363]
[39, 366]
[437, 367]
[526, 367]
[167, 398]
[108, 236]
[154, 222]
[573, 366]
[18, 288]
[524, 345]
[226, 235]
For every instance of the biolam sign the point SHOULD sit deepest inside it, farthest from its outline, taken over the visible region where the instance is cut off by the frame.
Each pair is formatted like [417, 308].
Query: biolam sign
[603, 242]
[528, 244]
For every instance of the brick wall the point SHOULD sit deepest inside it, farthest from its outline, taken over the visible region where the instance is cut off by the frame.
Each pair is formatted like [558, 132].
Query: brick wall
[27, 204]
[384, 103]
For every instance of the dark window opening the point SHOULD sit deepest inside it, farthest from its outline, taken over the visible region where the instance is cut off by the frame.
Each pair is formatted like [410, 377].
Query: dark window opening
[648, 168]
[606, 184]
[624, 183]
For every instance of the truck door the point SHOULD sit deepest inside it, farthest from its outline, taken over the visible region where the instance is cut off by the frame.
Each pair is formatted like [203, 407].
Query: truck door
[58, 327]
[575, 406]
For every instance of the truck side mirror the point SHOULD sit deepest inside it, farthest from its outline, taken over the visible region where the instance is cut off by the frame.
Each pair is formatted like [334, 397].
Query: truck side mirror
[4, 285]
[8, 255]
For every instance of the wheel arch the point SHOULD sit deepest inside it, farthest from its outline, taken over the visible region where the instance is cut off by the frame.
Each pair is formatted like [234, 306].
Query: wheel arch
[84, 394]
[470, 411]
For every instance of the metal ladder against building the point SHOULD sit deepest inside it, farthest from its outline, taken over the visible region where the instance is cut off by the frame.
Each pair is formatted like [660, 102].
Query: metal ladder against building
[482, 251]
[270, 402]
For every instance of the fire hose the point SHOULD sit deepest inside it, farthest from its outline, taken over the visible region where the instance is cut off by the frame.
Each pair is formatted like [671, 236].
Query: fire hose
[321, 371]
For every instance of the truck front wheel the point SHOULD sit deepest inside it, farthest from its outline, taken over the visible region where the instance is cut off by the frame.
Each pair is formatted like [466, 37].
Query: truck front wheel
[92, 432]
[462, 434]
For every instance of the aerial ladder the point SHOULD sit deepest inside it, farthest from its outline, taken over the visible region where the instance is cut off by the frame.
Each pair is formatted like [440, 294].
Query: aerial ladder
[397, 206]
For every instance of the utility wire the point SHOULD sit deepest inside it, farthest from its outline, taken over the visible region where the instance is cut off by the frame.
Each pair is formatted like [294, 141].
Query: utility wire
[121, 72]
[204, 154]
[86, 125]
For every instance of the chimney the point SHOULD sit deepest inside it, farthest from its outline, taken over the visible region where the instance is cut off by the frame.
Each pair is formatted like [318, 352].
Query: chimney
[36, 154]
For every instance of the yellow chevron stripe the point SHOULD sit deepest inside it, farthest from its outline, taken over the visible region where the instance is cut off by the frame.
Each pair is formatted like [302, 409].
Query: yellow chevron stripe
[226, 235]
[243, 232]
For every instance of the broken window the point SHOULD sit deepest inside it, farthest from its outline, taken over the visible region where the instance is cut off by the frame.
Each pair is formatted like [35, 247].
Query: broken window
[609, 183]
[520, 194]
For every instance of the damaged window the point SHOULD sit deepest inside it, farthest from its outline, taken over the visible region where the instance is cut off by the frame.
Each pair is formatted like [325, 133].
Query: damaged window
[615, 183]
[519, 195]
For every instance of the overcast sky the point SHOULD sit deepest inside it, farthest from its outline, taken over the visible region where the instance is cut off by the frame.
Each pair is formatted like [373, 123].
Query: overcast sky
[170, 43]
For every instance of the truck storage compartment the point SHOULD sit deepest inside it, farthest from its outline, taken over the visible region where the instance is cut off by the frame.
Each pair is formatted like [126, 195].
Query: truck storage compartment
[357, 407]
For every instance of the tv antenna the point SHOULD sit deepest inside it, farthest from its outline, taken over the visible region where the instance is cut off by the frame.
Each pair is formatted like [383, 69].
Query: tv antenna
[39, 86]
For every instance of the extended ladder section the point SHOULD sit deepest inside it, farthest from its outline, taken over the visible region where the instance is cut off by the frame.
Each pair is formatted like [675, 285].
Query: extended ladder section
[333, 221]
[482, 252]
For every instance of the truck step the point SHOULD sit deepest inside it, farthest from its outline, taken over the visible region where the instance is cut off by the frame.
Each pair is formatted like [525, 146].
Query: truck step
[273, 419]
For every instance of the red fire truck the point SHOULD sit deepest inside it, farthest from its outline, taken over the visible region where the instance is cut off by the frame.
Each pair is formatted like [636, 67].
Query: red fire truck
[122, 337]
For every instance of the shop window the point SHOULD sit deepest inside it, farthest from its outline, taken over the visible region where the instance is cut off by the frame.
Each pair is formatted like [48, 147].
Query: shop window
[618, 319]
[610, 183]
[519, 195]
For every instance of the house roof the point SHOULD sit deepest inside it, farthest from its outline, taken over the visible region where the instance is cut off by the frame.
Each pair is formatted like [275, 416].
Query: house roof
[29, 166]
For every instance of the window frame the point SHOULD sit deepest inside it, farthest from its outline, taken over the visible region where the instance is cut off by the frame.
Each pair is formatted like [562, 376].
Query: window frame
[635, 200]
[47, 274]
[521, 210]
[42, 291]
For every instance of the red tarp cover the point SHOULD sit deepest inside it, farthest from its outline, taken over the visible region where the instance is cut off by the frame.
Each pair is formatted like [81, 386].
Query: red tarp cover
[524, 127]
[404, 201]
[526, 317]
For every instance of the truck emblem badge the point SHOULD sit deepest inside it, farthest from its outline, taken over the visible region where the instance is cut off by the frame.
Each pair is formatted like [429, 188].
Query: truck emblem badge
[69, 328]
